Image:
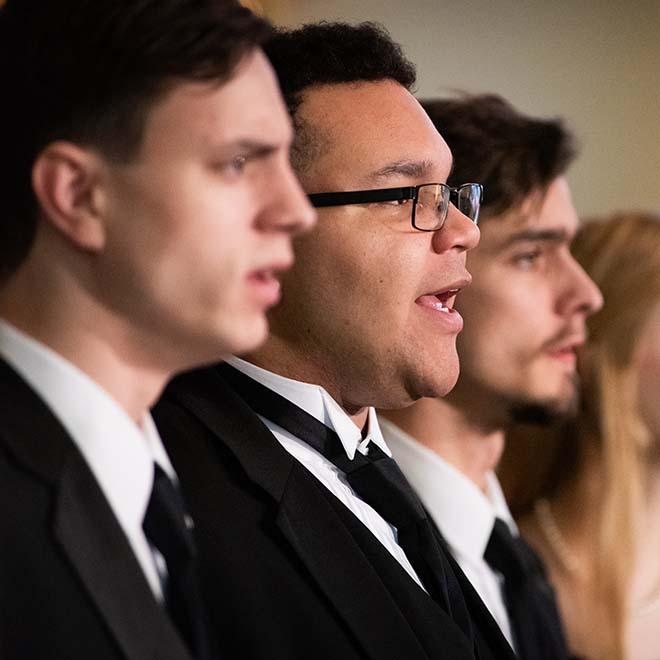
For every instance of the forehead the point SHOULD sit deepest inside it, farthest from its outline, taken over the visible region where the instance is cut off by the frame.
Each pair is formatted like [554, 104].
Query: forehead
[246, 107]
[366, 127]
[548, 214]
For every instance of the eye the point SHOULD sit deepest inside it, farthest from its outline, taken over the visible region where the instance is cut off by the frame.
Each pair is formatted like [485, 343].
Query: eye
[528, 259]
[234, 166]
[237, 164]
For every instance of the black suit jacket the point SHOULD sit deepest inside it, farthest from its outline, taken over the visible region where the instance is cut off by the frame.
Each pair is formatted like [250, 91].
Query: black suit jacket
[286, 574]
[70, 585]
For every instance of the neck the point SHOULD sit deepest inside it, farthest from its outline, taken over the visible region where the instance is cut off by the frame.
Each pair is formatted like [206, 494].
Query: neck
[451, 433]
[282, 359]
[70, 322]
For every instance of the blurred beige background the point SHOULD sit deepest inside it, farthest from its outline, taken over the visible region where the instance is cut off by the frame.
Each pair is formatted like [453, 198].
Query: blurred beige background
[595, 62]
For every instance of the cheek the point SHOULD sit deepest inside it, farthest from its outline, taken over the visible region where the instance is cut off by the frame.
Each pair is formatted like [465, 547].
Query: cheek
[385, 283]
[515, 312]
[501, 335]
[185, 245]
[207, 258]
[488, 316]
[348, 266]
[349, 290]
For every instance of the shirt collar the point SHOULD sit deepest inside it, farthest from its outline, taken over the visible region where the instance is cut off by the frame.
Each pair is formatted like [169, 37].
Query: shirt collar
[119, 452]
[316, 401]
[464, 514]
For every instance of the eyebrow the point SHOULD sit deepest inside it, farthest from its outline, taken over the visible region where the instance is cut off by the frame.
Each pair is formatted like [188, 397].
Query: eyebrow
[544, 235]
[254, 148]
[416, 169]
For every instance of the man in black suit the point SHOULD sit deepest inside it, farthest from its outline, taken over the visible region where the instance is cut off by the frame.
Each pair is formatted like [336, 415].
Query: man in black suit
[136, 139]
[525, 317]
[304, 555]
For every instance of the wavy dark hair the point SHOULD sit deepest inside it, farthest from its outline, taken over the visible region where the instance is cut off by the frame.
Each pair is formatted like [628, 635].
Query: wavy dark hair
[494, 144]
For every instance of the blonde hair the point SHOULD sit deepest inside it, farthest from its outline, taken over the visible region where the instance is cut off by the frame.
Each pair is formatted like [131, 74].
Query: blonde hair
[622, 255]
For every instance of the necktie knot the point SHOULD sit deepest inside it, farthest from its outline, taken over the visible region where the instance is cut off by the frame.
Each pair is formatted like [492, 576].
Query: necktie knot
[504, 555]
[166, 523]
[378, 479]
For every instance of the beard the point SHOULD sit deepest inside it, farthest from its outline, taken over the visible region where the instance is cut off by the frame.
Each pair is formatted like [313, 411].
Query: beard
[493, 408]
[546, 412]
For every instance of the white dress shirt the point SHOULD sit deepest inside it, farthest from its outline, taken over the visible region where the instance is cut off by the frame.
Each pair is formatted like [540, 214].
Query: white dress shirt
[119, 453]
[463, 513]
[314, 400]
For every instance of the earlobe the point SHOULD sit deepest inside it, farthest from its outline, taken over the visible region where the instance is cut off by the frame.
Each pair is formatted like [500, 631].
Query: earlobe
[65, 180]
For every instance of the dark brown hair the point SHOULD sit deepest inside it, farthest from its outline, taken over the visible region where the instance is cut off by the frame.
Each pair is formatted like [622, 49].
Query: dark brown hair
[511, 154]
[89, 71]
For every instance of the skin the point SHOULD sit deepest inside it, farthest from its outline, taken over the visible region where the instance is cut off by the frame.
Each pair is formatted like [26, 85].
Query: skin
[351, 318]
[525, 317]
[147, 267]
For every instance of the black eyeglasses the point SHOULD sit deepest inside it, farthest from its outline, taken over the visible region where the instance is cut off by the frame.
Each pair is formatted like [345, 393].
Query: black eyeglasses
[430, 201]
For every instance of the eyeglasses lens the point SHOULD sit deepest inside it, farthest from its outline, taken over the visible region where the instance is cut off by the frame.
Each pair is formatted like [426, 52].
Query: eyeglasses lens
[469, 201]
[432, 205]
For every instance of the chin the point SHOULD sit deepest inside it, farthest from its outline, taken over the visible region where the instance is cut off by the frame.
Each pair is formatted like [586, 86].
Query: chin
[448, 373]
[544, 411]
[439, 383]
[244, 336]
[552, 400]
[446, 386]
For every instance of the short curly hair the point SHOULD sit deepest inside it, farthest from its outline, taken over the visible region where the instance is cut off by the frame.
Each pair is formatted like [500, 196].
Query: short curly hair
[328, 53]
[508, 152]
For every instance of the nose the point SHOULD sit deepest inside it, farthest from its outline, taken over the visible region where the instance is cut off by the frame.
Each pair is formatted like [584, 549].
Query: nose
[581, 294]
[289, 209]
[458, 233]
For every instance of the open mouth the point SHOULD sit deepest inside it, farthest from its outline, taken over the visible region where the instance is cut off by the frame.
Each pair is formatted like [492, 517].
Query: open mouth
[566, 349]
[442, 301]
[265, 284]
[565, 354]
[268, 273]
[265, 275]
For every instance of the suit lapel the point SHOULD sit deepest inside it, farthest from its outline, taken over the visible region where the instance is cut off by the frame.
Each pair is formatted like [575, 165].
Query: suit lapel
[91, 537]
[342, 571]
[304, 516]
[84, 526]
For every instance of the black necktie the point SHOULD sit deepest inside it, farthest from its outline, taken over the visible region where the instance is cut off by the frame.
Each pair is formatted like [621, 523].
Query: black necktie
[528, 596]
[167, 528]
[377, 479]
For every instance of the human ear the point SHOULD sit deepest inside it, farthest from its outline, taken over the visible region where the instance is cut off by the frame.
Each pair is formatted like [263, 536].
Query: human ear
[66, 183]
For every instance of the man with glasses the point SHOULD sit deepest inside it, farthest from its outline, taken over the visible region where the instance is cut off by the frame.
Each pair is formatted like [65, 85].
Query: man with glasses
[525, 317]
[313, 543]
